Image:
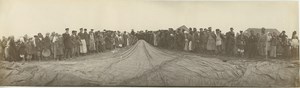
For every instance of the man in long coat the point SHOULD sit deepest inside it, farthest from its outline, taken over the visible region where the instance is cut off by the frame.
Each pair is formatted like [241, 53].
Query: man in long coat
[230, 43]
[67, 44]
[251, 44]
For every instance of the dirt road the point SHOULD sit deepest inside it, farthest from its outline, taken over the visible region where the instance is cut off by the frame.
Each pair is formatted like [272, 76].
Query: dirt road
[144, 65]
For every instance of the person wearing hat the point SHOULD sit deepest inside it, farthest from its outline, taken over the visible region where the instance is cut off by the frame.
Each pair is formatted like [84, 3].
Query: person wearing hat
[76, 43]
[37, 48]
[295, 46]
[241, 42]
[67, 44]
[263, 39]
[92, 45]
[87, 39]
[219, 39]
[251, 44]
[83, 47]
[284, 43]
[211, 42]
[46, 44]
[230, 42]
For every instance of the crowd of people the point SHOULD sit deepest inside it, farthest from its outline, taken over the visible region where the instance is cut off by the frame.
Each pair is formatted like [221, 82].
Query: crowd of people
[207, 41]
[63, 46]
[68, 45]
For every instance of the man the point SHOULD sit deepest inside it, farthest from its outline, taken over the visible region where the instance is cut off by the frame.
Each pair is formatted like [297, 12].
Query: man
[47, 43]
[83, 47]
[284, 43]
[230, 43]
[241, 42]
[201, 40]
[195, 40]
[171, 38]
[37, 48]
[92, 45]
[87, 39]
[67, 44]
[251, 44]
[76, 43]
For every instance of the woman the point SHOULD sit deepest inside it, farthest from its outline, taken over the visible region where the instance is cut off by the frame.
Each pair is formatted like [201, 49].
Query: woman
[59, 47]
[295, 45]
[211, 42]
[10, 50]
[187, 41]
[92, 46]
[218, 41]
[273, 45]
[29, 49]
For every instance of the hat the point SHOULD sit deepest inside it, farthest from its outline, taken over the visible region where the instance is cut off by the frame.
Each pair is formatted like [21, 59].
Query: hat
[67, 29]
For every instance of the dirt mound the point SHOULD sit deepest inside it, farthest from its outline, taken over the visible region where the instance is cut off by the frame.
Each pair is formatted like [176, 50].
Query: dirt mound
[144, 65]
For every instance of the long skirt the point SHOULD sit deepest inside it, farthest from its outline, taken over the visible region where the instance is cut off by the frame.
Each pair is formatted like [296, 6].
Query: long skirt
[1, 53]
[186, 45]
[128, 43]
[83, 48]
[92, 45]
[6, 52]
[190, 46]
[273, 51]
[211, 45]
[54, 50]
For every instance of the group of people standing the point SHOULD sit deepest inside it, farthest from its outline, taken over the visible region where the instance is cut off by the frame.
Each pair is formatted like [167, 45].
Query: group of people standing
[205, 40]
[63, 46]
[72, 44]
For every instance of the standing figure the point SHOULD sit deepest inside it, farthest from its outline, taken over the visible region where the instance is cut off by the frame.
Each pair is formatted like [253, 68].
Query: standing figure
[295, 46]
[67, 44]
[11, 50]
[273, 45]
[211, 42]
[219, 39]
[59, 43]
[76, 44]
[83, 46]
[230, 42]
[251, 45]
[22, 48]
[37, 48]
[92, 46]
[195, 40]
[87, 40]
[29, 49]
[125, 39]
[187, 41]
[263, 43]
[241, 43]
[47, 44]
[1, 50]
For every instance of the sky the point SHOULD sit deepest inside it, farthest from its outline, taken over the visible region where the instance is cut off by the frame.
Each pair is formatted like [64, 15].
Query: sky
[20, 17]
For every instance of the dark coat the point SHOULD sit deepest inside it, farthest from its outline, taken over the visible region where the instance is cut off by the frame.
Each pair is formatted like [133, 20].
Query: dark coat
[67, 40]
